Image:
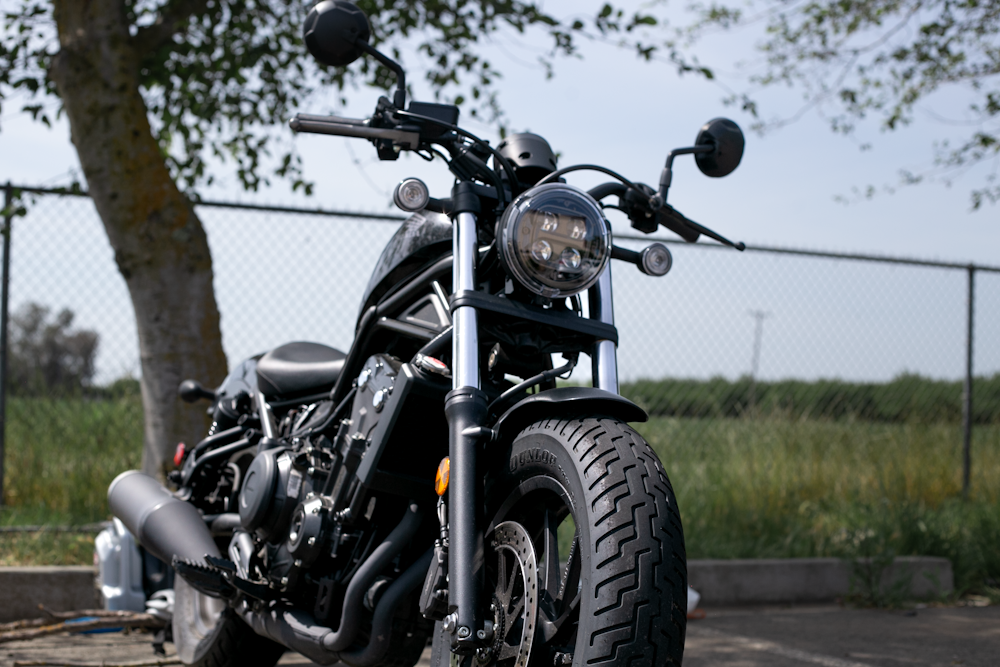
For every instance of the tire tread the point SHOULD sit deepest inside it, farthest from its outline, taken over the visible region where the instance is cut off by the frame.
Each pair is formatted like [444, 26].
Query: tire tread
[640, 591]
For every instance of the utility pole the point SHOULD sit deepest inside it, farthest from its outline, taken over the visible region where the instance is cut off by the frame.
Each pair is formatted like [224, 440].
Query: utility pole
[758, 334]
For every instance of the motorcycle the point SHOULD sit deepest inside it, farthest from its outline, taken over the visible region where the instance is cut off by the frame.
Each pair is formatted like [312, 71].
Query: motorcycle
[433, 484]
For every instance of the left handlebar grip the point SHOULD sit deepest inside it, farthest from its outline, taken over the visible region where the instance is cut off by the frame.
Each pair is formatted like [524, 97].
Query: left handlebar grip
[350, 127]
[340, 120]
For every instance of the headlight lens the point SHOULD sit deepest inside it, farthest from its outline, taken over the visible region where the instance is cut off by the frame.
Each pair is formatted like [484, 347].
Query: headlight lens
[554, 240]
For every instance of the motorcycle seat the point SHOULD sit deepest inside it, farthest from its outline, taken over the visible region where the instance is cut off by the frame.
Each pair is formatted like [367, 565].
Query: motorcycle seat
[299, 368]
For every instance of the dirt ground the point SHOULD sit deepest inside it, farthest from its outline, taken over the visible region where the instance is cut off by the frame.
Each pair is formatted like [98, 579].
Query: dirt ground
[828, 636]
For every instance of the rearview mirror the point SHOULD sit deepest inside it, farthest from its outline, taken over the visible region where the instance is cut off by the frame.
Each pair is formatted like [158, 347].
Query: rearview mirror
[727, 141]
[334, 31]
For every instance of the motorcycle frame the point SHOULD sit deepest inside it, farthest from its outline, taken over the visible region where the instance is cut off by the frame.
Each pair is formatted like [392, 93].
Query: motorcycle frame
[465, 409]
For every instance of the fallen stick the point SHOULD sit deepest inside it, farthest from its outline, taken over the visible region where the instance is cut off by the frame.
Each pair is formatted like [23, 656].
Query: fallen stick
[134, 620]
[85, 528]
[103, 663]
[62, 616]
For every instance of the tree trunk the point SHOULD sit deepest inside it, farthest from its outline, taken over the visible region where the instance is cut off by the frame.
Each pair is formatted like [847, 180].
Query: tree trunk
[159, 243]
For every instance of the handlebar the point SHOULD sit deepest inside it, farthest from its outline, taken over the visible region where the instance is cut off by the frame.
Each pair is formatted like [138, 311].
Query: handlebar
[636, 202]
[639, 201]
[353, 127]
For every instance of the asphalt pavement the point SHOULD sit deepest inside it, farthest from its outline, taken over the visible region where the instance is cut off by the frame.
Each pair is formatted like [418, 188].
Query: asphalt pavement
[833, 636]
[801, 636]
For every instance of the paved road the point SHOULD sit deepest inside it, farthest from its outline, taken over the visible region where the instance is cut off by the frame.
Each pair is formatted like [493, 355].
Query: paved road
[826, 636]
[835, 637]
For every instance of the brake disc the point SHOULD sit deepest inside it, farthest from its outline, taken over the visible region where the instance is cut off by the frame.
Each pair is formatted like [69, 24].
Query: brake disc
[511, 541]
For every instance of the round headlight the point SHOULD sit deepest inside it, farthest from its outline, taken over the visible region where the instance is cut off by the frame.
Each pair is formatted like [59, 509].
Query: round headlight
[554, 240]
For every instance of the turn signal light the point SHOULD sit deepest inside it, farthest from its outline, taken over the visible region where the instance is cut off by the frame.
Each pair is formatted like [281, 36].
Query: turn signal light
[443, 476]
[179, 454]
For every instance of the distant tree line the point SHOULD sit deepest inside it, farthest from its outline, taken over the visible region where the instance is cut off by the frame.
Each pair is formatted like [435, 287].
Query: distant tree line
[47, 355]
[907, 398]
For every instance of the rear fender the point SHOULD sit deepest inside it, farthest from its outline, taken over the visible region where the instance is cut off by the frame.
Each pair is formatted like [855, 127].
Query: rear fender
[566, 402]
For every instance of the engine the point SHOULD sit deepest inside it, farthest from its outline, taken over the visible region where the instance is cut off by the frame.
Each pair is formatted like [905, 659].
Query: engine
[306, 521]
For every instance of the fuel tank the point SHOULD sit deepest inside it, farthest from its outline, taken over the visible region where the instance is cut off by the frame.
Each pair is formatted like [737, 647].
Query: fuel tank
[423, 238]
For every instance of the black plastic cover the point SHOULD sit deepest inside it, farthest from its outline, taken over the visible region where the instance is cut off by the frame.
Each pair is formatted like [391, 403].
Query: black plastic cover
[269, 494]
[243, 378]
[530, 155]
[258, 490]
[568, 400]
[423, 238]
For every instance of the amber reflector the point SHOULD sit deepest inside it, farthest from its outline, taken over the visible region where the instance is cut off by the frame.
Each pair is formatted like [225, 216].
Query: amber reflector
[443, 476]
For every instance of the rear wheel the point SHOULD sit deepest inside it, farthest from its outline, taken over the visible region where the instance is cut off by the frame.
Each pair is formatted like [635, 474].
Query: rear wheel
[207, 633]
[585, 559]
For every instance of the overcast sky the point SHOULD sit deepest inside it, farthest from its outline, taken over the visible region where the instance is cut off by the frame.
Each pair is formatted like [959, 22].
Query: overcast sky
[610, 109]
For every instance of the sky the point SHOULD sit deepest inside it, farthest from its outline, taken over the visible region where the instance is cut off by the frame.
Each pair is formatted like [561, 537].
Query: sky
[614, 110]
[608, 108]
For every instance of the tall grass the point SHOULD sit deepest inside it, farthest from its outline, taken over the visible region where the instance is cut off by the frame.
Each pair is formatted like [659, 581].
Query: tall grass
[62, 454]
[747, 488]
[779, 487]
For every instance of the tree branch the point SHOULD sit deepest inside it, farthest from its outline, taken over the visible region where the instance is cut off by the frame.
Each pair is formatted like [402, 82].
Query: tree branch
[171, 19]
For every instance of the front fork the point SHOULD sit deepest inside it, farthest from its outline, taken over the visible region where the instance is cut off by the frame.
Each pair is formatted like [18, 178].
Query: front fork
[465, 409]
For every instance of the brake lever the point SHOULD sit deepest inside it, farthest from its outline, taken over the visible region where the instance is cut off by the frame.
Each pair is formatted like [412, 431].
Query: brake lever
[673, 220]
[713, 235]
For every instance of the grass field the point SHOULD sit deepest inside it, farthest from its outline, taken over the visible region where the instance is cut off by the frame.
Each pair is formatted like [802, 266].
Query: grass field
[768, 487]
[61, 455]
[798, 488]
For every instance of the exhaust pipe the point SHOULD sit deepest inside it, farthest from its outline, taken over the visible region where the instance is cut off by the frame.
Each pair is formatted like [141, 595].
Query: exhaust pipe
[165, 526]
[299, 631]
[385, 611]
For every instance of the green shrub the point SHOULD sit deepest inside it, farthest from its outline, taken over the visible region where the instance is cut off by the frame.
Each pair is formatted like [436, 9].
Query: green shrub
[907, 398]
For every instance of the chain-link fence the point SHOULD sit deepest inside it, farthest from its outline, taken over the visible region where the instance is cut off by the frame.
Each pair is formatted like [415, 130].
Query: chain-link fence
[765, 358]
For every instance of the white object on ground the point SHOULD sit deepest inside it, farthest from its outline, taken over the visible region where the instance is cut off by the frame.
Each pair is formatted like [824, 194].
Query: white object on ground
[694, 597]
[119, 569]
[161, 605]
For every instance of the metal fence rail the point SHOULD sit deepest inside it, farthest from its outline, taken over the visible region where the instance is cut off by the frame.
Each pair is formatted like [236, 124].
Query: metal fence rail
[740, 325]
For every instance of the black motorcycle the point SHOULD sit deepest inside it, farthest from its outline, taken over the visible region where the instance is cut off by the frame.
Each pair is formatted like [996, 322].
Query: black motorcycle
[434, 484]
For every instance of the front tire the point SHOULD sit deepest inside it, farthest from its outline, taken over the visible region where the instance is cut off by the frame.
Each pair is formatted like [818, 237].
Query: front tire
[207, 633]
[616, 591]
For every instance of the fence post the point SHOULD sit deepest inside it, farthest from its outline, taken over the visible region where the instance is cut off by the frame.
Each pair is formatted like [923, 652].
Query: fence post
[967, 393]
[8, 219]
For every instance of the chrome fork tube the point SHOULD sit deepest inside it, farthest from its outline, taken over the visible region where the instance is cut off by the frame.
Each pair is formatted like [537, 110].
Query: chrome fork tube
[465, 339]
[604, 358]
[465, 408]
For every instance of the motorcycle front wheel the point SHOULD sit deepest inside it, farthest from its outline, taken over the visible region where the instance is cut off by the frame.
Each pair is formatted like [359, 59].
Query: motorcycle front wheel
[207, 633]
[584, 554]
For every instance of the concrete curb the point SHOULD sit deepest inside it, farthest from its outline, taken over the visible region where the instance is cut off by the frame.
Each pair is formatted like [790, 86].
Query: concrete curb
[781, 580]
[720, 582]
[59, 588]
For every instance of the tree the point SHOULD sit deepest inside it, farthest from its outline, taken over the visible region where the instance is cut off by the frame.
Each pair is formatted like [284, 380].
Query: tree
[153, 89]
[48, 356]
[883, 58]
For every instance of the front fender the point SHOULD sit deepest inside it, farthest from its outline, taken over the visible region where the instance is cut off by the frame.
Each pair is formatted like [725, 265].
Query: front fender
[566, 401]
